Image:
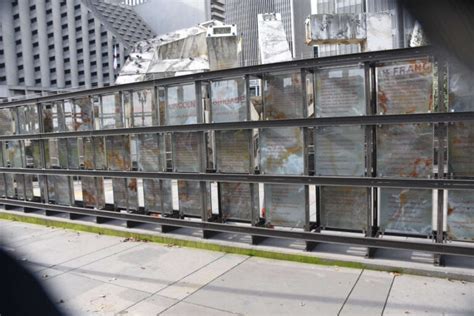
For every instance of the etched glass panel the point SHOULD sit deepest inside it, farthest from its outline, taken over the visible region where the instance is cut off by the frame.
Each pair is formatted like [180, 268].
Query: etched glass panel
[461, 149]
[93, 192]
[405, 150]
[228, 100]
[461, 215]
[62, 187]
[118, 153]
[7, 123]
[12, 154]
[186, 147]
[233, 151]
[110, 112]
[340, 92]
[181, 105]
[461, 94]
[32, 153]
[10, 185]
[283, 96]
[340, 151]
[189, 194]
[144, 113]
[344, 207]
[237, 201]
[28, 119]
[406, 211]
[125, 194]
[285, 205]
[149, 152]
[72, 153]
[405, 87]
[58, 155]
[2, 185]
[53, 117]
[281, 150]
[78, 114]
[94, 153]
[157, 192]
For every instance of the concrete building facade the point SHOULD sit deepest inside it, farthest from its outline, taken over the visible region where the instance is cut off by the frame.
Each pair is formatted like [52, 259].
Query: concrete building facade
[47, 46]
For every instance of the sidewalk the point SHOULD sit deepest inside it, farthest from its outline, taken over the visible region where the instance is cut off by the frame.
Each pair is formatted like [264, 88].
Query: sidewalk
[88, 273]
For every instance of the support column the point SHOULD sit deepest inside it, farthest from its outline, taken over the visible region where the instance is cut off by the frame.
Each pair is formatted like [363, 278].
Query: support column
[85, 46]
[110, 56]
[58, 44]
[11, 67]
[122, 54]
[71, 28]
[98, 55]
[43, 43]
[26, 43]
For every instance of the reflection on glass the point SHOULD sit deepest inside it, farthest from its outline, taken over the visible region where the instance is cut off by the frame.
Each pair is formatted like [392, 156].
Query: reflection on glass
[340, 92]
[110, 112]
[7, 121]
[78, 114]
[340, 151]
[281, 151]
[125, 193]
[461, 94]
[406, 211]
[32, 153]
[461, 215]
[405, 150]
[405, 87]
[461, 149]
[283, 96]
[181, 105]
[61, 189]
[28, 119]
[285, 205]
[144, 113]
[228, 100]
[149, 152]
[233, 151]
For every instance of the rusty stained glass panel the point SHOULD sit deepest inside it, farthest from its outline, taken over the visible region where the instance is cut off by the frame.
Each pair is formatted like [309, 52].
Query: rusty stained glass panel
[340, 91]
[12, 154]
[60, 189]
[93, 192]
[118, 153]
[233, 151]
[125, 193]
[405, 87]
[28, 119]
[78, 114]
[283, 96]
[189, 195]
[339, 150]
[461, 149]
[110, 113]
[406, 211]
[58, 155]
[344, 208]
[32, 153]
[94, 153]
[7, 121]
[53, 117]
[281, 151]
[237, 201]
[285, 205]
[461, 94]
[405, 150]
[228, 101]
[144, 108]
[157, 192]
[150, 152]
[461, 215]
[187, 154]
[72, 153]
[181, 105]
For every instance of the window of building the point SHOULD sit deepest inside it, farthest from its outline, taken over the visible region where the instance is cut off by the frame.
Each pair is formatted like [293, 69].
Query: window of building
[68, 82]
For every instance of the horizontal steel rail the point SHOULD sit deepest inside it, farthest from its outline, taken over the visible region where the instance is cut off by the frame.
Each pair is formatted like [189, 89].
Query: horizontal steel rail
[430, 118]
[389, 182]
[340, 60]
[371, 242]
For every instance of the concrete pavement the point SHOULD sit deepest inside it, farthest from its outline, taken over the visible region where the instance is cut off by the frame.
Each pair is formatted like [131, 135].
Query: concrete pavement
[95, 274]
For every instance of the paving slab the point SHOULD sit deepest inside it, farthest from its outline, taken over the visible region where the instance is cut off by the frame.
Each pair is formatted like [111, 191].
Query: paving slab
[15, 233]
[266, 287]
[416, 295]
[152, 305]
[149, 267]
[200, 278]
[369, 295]
[186, 309]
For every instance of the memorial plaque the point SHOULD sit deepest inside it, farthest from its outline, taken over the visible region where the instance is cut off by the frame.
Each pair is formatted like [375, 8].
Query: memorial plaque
[405, 87]
[285, 205]
[7, 121]
[181, 105]
[340, 92]
[406, 211]
[189, 194]
[281, 151]
[157, 192]
[93, 192]
[405, 150]
[461, 215]
[61, 187]
[32, 153]
[143, 104]
[461, 94]
[118, 152]
[187, 154]
[111, 114]
[149, 152]
[237, 201]
[125, 193]
[228, 101]
[344, 208]
[461, 149]
[233, 151]
[28, 119]
[283, 96]
[340, 150]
